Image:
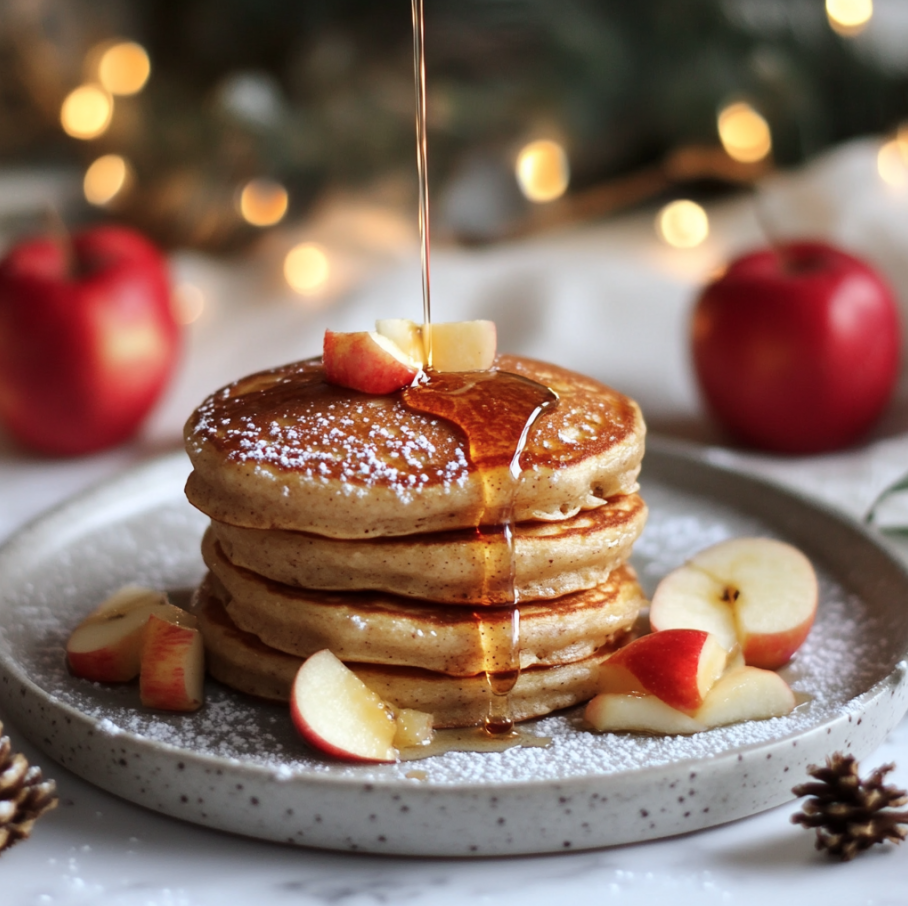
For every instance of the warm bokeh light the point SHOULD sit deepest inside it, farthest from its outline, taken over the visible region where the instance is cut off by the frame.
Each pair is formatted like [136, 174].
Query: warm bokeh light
[744, 133]
[849, 17]
[542, 170]
[683, 224]
[124, 68]
[188, 303]
[263, 202]
[306, 267]
[901, 138]
[892, 164]
[105, 179]
[86, 112]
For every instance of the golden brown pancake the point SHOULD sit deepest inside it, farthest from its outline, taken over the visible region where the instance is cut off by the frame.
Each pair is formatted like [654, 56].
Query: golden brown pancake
[371, 627]
[242, 661]
[551, 559]
[283, 449]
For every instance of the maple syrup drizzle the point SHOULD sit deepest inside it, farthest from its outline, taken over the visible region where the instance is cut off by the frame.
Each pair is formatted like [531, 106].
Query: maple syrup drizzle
[495, 410]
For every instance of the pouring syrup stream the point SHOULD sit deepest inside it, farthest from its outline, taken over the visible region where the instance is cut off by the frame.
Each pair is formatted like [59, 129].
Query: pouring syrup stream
[419, 72]
[495, 410]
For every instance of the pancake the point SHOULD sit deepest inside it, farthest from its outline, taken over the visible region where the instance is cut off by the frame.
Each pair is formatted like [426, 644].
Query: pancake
[243, 662]
[372, 627]
[551, 558]
[284, 449]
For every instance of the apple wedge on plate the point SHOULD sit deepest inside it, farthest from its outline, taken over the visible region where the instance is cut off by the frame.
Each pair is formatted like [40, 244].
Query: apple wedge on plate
[758, 593]
[336, 713]
[106, 647]
[680, 681]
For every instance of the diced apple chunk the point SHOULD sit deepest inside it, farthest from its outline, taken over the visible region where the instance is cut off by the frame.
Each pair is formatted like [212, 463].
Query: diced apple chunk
[107, 645]
[463, 345]
[172, 675]
[414, 728]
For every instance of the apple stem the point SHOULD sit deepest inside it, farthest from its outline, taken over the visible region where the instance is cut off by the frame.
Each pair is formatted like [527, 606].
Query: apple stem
[60, 234]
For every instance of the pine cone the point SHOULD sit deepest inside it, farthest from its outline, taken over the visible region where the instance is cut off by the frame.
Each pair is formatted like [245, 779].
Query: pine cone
[24, 796]
[847, 812]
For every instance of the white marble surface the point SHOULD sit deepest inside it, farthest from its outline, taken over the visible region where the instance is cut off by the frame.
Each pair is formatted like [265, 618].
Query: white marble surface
[632, 299]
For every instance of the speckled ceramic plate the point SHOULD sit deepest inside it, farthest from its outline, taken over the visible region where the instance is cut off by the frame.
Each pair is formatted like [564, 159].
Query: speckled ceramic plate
[237, 765]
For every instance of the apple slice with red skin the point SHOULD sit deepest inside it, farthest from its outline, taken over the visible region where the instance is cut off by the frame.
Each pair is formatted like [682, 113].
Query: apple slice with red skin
[367, 361]
[756, 592]
[742, 693]
[337, 713]
[678, 666]
[172, 675]
[106, 646]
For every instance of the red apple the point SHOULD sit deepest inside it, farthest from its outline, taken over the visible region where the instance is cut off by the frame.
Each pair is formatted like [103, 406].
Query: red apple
[365, 360]
[797, 348]
[88, 339]
[678, 666]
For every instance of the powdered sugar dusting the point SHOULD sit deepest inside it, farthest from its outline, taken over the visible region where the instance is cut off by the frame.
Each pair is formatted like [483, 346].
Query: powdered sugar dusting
[322, 435]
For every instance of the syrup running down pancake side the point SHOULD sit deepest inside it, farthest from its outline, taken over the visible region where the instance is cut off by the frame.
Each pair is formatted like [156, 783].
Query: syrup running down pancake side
[495, 410]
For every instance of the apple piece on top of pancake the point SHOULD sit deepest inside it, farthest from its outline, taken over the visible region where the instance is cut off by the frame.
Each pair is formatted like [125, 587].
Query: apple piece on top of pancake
[453, 345]
[365, 360]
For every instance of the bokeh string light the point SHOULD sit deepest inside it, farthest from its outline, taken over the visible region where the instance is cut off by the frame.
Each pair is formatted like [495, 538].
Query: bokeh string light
[849, 17]
[744, 133]
[683, 224]
[86, 112]
[124, 68]
[306, 268]
[542, 170]
[106, 179]
[263, 202]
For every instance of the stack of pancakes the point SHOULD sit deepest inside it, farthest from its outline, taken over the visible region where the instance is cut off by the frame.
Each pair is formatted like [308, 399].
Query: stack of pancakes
[347, 521]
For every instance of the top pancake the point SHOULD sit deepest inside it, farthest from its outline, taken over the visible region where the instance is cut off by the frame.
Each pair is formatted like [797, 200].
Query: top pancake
[284, 449]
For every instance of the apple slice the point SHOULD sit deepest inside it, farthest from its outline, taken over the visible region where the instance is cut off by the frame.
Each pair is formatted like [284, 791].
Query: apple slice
[617, 711]
[678, 666]
[463, 345]
[746, 693]
[106, 646]
[756, 592]
[367, 361]
[173, 664]
[336, 712]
